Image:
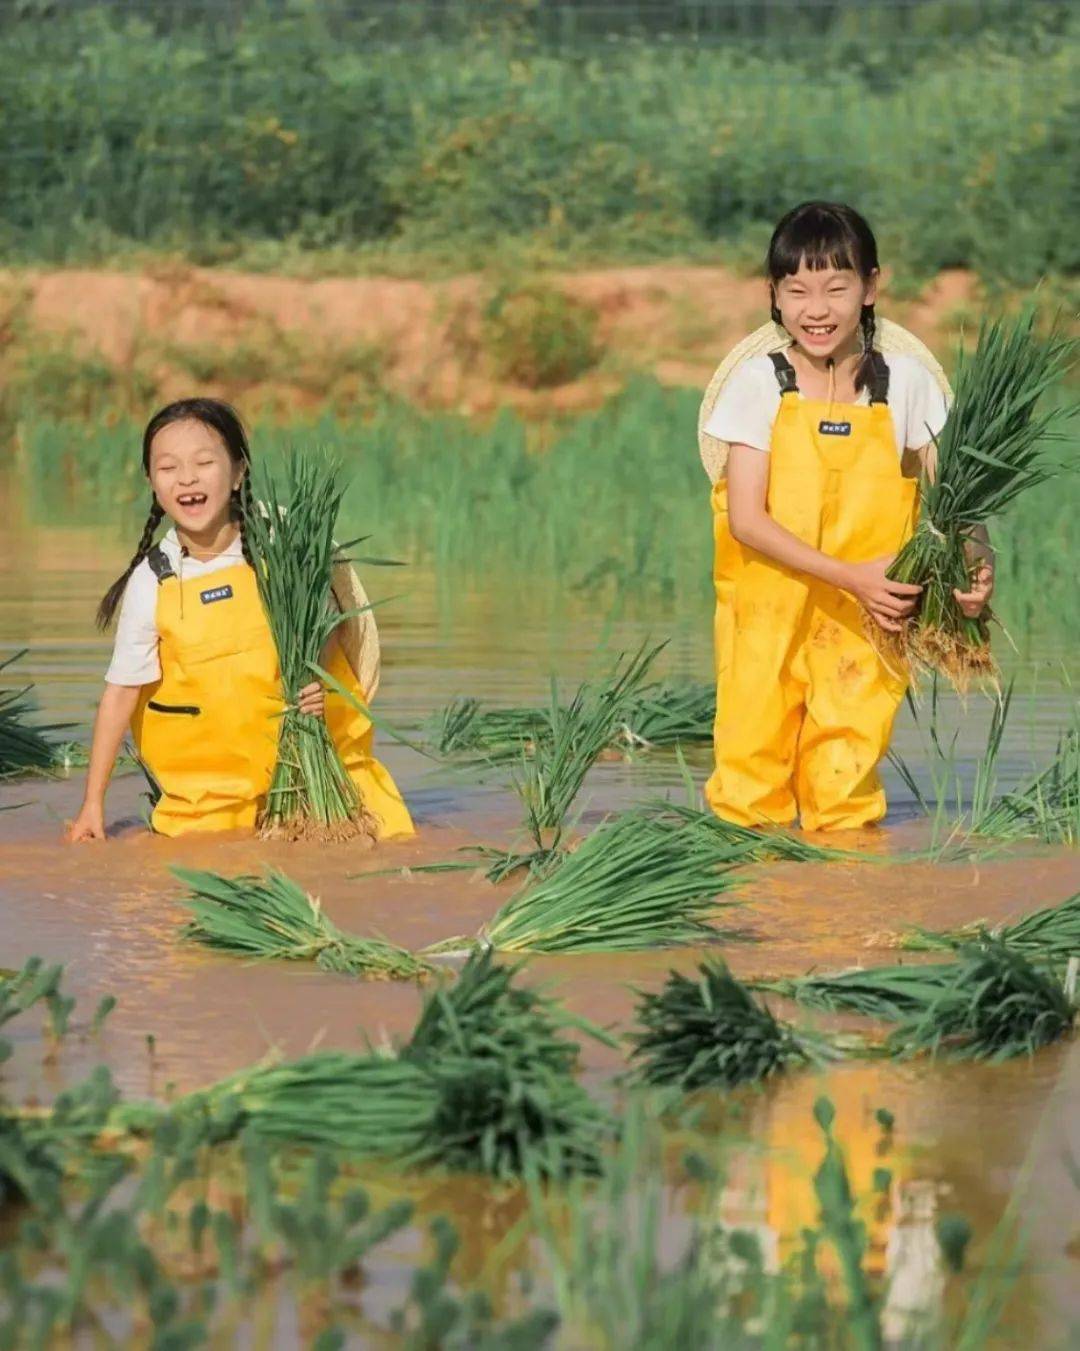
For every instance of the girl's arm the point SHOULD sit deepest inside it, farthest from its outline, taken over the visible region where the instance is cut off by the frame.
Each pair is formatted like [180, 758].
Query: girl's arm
[888, 602]
[113, 719]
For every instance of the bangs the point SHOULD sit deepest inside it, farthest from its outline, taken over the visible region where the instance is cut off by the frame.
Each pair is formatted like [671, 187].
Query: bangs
[821, 235]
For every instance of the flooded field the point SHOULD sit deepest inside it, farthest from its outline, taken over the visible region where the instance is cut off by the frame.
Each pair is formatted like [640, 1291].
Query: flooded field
[972, 1139]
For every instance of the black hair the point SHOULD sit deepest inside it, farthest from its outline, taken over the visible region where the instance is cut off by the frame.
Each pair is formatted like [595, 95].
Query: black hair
[821, 235]
[221, 418]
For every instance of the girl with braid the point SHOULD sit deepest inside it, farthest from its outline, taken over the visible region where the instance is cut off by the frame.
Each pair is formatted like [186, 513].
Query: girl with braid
[194, 671]
[815, 432]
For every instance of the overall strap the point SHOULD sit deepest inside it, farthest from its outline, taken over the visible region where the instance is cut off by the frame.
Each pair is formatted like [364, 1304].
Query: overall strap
[879, 378]
[159, 564]
[785, 373]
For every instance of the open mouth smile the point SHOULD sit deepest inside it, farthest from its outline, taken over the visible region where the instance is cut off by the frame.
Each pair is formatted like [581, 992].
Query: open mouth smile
[819, 330]
[191, 499]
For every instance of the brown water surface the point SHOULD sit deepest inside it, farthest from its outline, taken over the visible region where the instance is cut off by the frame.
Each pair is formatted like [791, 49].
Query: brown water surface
[976, 1135]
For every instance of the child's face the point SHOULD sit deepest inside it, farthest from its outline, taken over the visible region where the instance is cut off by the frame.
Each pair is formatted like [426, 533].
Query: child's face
[821, 309]
[193, 476]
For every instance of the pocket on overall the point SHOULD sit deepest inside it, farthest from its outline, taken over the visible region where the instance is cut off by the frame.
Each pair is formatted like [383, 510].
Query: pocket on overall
[867, 515]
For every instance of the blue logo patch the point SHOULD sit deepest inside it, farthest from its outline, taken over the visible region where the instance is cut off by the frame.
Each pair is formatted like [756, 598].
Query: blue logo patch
[215, 593]
[834, 428]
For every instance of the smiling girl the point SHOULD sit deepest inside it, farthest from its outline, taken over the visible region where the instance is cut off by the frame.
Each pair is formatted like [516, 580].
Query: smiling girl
[194, 671]
[826, 437]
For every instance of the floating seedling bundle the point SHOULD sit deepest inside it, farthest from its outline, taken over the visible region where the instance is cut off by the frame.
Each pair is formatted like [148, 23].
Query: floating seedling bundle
[290, 532]
[989, 1003]
[990, 450]
[271, 917]
[1047, 937]
[666, 713]
[634, 883]
[486, 1083]
[712, 1032]
[503, 1067]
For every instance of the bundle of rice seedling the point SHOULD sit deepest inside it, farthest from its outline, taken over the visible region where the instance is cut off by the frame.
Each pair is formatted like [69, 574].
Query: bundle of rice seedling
[290, 532]
[634, 883]
[503, 1067]
[1047, 937]
[1045, 808]
[665, 713]
[575, 737]
[991, 450]
[271, 917]
[712, 1032]
[23, 748]
[991, 1004]
[758, 844]
[493, 733]
[883, 992]
[670, 713]
[486, 1083]
[365, 1105]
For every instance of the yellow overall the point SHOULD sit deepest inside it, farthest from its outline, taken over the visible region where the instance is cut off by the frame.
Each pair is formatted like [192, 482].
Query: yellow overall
[208, 728]
[804, 704]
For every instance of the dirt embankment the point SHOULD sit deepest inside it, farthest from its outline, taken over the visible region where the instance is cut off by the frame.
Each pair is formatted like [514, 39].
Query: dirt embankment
[294, 344]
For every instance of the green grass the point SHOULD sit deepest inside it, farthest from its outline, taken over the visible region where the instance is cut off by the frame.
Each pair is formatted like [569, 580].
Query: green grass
[293, 131]
[614, 511]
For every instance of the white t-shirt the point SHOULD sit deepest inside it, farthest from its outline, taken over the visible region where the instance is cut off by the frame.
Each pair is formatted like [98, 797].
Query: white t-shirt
[747, 407]
[135, 652]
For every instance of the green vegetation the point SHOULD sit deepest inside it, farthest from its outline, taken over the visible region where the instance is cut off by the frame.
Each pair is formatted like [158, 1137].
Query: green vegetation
[267, 133]
[270, 918]
[993, 448]
[712, 1032]
[289, 529]
[241, 1192]
[635, 882]
[24, 747]
[538, 336]
[615, 509]
[1048, 936]
[991, 1002]
[665, 713]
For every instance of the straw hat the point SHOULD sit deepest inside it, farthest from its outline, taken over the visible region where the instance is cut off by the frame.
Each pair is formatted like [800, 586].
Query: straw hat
[889, 338]
[358, 635]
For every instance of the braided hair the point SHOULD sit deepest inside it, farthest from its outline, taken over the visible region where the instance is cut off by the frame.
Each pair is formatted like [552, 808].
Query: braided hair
[821, 235]
[221, 418]
[113, 596]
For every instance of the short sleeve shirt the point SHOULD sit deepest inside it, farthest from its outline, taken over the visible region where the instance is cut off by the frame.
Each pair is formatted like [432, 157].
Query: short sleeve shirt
[135, 651]
[747, 407]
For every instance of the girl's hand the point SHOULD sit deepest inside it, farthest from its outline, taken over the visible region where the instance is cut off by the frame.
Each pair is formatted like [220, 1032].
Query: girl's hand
[88, 825]
[312, 700]
[887, 602]
[975, 601]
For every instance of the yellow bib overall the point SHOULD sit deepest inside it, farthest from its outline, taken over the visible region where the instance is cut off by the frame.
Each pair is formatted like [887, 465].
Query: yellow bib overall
[804, 704]
[208, 728]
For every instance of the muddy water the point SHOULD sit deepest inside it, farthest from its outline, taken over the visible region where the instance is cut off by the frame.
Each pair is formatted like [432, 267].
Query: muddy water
[971, 1137]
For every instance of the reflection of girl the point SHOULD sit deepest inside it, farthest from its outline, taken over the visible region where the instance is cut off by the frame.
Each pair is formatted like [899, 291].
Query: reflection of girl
[194, 669]
[827, 437]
